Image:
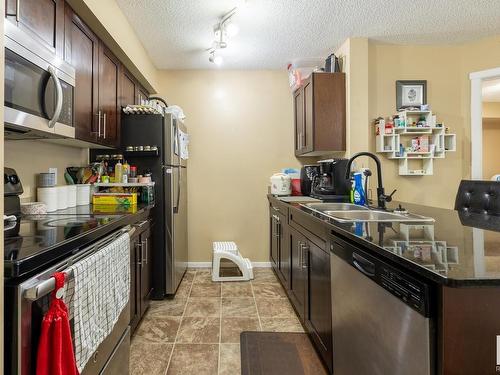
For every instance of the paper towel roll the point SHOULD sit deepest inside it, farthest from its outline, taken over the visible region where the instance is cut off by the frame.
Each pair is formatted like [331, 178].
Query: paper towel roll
[71, 189]
[82, 194]
[62, 197]
[49, 197]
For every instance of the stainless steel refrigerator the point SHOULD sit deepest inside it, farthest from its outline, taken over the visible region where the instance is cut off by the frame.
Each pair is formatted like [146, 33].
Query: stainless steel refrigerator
[169, 171]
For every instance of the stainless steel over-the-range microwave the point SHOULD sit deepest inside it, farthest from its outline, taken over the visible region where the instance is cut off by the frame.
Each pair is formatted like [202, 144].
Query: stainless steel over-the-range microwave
[39, 89]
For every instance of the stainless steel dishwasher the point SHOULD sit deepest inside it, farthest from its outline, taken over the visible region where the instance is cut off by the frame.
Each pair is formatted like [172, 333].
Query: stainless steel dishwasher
[380, 316]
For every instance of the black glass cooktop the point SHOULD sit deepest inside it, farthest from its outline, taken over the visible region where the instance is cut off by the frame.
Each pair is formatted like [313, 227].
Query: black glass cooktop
[35, 240]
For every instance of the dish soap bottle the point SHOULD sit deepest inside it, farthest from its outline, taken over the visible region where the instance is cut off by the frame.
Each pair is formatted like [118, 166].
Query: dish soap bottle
[126, 172]
[358, 193]
[118, 172]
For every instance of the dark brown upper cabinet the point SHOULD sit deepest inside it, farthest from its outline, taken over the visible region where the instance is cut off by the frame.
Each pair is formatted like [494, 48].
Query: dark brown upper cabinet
[97, 84]
[42, 19]
[128, 88]
[131, 90]
[320, 114]
[109, 98]
[82, 51]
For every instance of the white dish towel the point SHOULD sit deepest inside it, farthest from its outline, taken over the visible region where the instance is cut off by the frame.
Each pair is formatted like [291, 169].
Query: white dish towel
[97, 294]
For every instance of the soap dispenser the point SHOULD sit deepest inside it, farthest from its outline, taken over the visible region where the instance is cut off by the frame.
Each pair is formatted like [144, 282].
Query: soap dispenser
[358, 194]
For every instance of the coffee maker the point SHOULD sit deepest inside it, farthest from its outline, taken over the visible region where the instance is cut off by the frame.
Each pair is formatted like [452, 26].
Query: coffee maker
[331, 183]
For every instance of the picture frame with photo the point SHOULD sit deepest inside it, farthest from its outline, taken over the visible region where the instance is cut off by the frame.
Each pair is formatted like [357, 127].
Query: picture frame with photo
[411, 94]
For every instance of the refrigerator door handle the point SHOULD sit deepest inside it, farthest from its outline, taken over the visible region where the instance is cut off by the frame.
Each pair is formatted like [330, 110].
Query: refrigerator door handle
[176, 208]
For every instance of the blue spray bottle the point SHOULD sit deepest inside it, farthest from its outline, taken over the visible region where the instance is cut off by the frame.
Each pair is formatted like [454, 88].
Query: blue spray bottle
[358, 191]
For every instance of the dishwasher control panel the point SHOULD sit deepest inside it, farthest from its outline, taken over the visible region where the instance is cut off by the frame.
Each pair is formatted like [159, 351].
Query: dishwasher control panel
[410, 291]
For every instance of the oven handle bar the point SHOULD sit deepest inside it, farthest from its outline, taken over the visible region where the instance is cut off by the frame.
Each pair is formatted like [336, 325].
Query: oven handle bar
[45, 287]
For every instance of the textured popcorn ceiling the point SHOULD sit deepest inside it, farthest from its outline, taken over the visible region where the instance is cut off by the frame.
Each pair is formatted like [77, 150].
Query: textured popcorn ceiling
[274, 32]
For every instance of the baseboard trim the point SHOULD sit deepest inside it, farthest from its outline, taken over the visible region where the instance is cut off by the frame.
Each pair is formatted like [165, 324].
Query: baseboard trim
[209, 264]
[261, 264]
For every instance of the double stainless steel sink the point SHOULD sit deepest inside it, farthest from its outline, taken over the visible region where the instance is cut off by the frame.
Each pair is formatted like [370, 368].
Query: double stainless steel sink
[347, 213]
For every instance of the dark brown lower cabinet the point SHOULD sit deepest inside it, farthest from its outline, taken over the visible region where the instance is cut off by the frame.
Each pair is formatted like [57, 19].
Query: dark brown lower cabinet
[140, 272]
[279, 251]
[146, 269]
[301, 259]
[275, 243]
[298, 279]
[319, 309]
[284, 271]
[135, 306]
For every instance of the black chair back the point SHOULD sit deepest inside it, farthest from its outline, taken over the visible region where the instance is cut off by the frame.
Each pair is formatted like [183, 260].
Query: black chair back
[478, 197]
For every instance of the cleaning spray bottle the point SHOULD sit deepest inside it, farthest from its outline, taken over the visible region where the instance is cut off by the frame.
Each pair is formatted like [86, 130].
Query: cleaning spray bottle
[358, 193]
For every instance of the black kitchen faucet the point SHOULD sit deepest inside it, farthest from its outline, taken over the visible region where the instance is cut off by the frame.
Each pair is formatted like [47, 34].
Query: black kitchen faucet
[382, 198]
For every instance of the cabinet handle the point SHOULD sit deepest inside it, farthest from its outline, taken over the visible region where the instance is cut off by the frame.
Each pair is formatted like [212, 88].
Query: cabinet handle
[139, 246]
[303, 249]
[18, 10]
[301, 255]
[140, 224]
[144, 246]
[99, 124]
[104, 123]
[276, 224]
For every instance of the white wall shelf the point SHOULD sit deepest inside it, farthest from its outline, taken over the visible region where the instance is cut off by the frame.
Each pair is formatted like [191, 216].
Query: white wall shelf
[412, 124]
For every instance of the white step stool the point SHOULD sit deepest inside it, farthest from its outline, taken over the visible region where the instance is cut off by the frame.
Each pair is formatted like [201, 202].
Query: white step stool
[229, 250]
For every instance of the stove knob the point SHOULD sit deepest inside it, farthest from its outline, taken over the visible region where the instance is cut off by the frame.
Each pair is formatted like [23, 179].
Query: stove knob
[14, 179]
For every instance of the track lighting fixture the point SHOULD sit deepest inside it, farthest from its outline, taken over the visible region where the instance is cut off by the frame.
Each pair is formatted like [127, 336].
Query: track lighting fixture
[223, 30]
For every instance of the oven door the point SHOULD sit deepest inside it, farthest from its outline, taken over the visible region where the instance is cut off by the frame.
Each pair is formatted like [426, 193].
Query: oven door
[27, 303]
[39, 90]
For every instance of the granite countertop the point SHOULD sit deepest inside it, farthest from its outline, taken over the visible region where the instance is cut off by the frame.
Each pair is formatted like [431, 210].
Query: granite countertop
[455, 250]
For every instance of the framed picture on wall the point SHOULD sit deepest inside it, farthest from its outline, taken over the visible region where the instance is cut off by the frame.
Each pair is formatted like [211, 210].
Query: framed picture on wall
[410, 94]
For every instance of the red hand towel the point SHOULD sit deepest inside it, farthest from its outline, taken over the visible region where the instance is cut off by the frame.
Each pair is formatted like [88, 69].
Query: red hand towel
[55, 348]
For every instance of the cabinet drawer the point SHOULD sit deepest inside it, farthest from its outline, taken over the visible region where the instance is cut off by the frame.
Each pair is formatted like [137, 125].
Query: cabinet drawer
[314, 231]
[279, 207]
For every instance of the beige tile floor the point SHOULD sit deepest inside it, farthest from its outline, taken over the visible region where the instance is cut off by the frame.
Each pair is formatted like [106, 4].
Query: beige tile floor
[198, 331]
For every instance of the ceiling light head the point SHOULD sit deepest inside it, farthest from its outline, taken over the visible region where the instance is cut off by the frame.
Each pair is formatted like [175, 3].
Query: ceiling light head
[215, 59]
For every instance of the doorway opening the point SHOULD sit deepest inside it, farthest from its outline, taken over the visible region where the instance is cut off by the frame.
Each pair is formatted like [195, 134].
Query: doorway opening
[485, 124]
[491, 129]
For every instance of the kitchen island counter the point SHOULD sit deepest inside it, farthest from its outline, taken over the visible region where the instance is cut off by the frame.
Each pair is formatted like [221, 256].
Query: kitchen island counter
[453, 261]
[454, 250]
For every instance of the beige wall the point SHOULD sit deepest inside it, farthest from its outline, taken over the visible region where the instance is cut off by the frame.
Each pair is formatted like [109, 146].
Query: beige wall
[241, 132]
[389, 63]
[446, 69]
[491, 109]
[31, 157]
